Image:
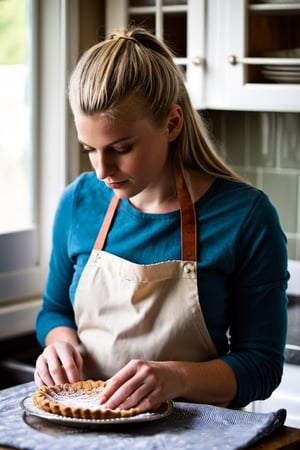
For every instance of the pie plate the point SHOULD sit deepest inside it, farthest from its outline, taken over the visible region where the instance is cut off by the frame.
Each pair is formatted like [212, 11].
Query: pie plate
[165, 409]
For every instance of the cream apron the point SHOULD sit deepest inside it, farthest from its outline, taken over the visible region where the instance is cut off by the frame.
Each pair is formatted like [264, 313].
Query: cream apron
[129, 311]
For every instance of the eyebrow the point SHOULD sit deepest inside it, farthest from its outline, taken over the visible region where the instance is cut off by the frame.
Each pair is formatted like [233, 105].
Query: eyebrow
[111, 144]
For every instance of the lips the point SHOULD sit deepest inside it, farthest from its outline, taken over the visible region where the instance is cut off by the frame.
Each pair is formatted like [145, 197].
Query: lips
[115, 184]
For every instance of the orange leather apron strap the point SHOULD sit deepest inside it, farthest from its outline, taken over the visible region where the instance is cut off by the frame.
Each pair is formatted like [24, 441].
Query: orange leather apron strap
[188, 221]
[99, 244]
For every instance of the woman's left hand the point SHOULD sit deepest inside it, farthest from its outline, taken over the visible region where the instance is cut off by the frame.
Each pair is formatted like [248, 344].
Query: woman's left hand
[141, 384]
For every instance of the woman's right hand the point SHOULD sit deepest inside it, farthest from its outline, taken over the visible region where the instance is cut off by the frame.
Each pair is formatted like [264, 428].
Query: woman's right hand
[59, 363]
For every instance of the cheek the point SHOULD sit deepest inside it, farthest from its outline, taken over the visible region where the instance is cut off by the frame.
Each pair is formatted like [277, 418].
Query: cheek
[157, 153]
[134, 164]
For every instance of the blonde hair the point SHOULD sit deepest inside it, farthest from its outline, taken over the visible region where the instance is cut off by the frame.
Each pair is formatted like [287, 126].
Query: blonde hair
[134, 61]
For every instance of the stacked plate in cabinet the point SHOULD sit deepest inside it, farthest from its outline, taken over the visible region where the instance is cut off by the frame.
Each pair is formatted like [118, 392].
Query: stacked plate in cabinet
[283, 73]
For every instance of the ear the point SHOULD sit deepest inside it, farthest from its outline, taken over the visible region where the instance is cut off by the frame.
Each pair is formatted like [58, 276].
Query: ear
[175, 122]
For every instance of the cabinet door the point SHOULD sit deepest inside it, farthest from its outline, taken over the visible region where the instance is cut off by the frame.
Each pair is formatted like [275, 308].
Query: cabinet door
[179, 22]
[253, 56]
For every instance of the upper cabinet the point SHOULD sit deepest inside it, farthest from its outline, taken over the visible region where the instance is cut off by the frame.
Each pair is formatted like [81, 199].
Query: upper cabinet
[179, 22]
[235, 54]
[253, 55]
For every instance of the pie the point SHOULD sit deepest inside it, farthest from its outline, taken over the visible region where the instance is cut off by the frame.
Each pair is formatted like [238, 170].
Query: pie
[78, 400]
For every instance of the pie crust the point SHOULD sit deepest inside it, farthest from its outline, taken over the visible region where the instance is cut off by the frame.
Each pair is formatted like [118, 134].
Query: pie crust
[78, 400]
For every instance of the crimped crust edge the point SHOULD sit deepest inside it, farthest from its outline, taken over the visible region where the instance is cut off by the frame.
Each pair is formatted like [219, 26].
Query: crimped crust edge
[41, 401]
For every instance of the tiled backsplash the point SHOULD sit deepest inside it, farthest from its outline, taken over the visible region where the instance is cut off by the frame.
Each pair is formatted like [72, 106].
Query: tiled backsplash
[264, 148]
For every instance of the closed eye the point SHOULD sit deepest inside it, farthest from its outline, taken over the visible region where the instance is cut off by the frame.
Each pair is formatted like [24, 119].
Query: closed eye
[87, 149]
[120, 150]
[123, 150]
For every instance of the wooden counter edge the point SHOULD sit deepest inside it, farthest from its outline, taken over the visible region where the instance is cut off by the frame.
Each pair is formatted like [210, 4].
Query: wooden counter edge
[284, 438]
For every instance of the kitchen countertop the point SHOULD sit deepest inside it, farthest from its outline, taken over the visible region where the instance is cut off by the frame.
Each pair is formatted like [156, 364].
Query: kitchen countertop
[190, 426]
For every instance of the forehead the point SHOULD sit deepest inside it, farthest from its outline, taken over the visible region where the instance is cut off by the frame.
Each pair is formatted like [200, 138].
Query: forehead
[103, 129]
[126, 115]
[92, 130]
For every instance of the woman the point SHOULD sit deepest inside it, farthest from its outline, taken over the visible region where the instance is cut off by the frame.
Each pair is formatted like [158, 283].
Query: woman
[182, 294]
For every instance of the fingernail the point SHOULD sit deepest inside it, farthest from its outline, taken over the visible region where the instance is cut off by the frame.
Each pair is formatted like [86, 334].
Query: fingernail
[102, 399]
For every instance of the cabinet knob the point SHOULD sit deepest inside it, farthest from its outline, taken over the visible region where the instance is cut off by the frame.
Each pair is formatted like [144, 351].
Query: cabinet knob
[232, 59]
[198, 61]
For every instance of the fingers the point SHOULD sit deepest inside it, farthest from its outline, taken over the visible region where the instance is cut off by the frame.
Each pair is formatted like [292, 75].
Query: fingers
[139, 384]
[59, 363]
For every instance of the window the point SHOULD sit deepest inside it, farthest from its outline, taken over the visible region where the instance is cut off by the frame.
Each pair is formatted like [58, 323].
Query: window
[15, 112]
[17, 151]
[38, 46]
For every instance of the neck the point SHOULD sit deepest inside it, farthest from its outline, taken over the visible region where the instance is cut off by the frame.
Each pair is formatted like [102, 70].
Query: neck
[157, 203]
[164, 199]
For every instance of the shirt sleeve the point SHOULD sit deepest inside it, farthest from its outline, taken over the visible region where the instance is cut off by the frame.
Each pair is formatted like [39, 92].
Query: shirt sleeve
[56, 308]
[258, 312]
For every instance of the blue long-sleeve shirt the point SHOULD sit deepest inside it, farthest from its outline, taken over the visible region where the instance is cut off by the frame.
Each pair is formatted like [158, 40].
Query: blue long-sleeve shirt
[242, 269]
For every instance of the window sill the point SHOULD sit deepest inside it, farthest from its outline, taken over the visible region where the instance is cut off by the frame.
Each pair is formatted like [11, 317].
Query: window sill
[18, 318]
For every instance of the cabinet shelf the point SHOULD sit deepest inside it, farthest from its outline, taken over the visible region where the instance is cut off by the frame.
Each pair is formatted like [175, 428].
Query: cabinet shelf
[153, 9]
[274, 7]
[262, 61]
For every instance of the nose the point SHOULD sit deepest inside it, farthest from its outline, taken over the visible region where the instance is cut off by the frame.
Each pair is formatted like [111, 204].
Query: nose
[103, 164]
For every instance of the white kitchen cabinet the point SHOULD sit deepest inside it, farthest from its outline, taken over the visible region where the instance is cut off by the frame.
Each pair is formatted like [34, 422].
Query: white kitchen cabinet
[181, 23]
[286, 396]
[228, 49]
[244, 69]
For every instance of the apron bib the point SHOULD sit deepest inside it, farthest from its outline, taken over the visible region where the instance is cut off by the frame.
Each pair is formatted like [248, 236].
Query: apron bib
[127, 311]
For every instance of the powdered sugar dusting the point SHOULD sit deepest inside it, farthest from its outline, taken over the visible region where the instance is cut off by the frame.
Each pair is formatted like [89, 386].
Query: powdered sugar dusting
[86, 399]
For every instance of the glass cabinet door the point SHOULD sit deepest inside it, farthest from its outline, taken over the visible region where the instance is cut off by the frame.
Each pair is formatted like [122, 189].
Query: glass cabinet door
[180, 23]
[273, 34]
[254, 54]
